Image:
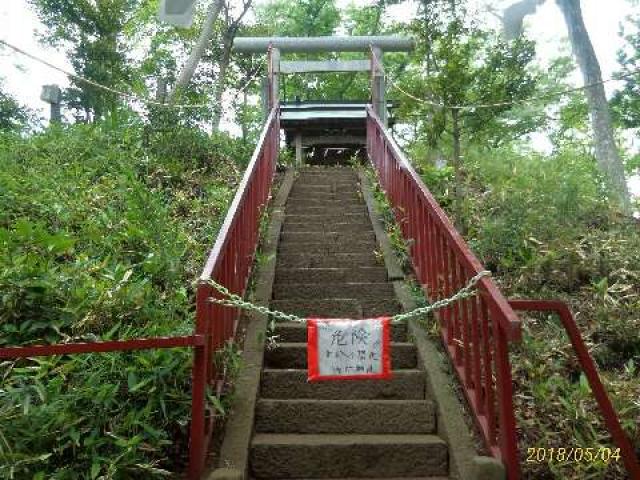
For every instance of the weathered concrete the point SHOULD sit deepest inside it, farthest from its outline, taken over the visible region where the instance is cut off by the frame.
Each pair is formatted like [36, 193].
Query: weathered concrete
[324, 209]
[234, 452]
[336, 308]
[379, 307]
[331, 203]
[360, 218]
[405, 384]
[325, 188]
[345, 416]
[393, 267]
[488, 468]
[332, 43]
[294, 355]
[339, 307]
[365, 237]
[330, 275]
[354, 246]
[308, 456]
[311, 197]
[307, 66]
[367, 428]
[334, 260]
[333, 290]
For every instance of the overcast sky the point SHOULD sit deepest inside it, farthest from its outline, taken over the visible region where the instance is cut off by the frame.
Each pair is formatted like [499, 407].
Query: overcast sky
[24, 78]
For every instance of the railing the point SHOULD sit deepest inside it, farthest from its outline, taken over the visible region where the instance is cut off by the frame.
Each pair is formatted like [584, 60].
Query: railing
[589, 367]
[229, 264]
[476, 331]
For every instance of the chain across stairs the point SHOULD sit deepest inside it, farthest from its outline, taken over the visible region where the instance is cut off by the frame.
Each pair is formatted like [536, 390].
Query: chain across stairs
[237, 301]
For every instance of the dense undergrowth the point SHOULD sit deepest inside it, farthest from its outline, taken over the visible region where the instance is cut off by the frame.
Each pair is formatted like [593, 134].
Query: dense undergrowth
[102, 232]
[545, 227]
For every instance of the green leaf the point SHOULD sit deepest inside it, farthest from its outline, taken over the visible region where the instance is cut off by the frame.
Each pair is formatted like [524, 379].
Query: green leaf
[95, 470]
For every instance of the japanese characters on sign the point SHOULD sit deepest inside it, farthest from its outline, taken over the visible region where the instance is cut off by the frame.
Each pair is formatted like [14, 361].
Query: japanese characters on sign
[341, 349]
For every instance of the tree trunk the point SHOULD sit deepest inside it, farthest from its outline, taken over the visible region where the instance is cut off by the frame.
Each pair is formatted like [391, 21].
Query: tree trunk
[606, 151]
[222, 76]
[457, 166]
[243, 122]
[199, 49]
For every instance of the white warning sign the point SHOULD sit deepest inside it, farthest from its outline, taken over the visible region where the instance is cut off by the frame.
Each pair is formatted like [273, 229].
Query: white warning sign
[340, 349]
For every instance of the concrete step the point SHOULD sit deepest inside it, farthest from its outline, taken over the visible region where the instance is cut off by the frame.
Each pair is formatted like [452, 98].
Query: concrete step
[326, 260]
[330, 218]
[334, 171]
[330, 275]
[379, 307]
[345, 416]
[337, 203]
[333, 290]
[343, 182]
[294, 355]
[326, 248]
[326, 188]
[297, 332]
[328, 173]
[437, 477]
[331, 456]
[404, 385]
[296, 209]
[340, 228]
[313, 308]
[363, 236]
[299, 195]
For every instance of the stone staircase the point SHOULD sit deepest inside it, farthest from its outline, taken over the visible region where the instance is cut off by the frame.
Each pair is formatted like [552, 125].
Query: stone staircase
[327, 266]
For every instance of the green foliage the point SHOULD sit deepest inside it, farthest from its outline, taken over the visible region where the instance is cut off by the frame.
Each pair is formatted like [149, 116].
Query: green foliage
[469, 66]
[545, 226]
[13, 117]
[301, 18]
[626, 102]
[93, 33]
[101, 237]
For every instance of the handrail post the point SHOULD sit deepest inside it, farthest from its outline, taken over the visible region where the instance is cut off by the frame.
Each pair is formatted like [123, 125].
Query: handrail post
[200, 377]
[591, 372]
[507, 437]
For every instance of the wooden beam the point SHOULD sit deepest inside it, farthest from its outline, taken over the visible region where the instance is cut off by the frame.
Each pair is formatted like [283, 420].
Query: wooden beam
[325, 66]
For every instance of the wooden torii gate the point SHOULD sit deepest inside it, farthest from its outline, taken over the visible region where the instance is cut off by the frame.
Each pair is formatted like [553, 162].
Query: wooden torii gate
[323, 122]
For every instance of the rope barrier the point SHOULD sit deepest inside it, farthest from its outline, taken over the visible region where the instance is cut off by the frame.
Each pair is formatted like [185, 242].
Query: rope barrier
[524, 101]
[129, 96]
[237, 301]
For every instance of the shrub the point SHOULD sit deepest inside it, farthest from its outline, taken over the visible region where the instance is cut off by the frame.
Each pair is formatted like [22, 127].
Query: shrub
[101, 237]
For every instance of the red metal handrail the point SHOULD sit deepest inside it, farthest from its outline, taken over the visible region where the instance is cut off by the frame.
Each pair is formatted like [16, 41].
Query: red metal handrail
[229, 264]
[591, 372]
[476, 331]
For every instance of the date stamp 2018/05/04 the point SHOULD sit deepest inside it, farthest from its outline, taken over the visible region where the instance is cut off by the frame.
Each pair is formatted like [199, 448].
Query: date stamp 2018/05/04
[572, 455]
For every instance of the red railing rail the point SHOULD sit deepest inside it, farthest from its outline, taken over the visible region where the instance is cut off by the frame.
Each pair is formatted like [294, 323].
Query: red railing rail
[229, 264]
[591, 372]
[476, 331]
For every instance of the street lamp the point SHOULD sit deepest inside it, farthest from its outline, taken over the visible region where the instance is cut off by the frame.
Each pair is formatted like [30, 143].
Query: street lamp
[177, 12]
